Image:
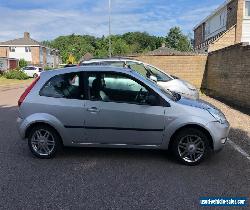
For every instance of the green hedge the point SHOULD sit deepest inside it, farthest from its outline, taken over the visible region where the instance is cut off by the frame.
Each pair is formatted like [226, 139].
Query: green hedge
[15, 74]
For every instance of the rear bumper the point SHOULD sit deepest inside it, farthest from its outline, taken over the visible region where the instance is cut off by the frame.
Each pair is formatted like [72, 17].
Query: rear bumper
[21, 127]
[219, 133]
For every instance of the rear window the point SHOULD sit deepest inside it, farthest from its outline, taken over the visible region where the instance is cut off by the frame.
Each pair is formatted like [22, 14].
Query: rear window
[29, 68]
[64, 86]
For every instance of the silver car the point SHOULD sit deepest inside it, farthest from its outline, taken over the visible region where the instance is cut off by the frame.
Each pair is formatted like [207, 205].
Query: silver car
[116, 107]
[163, 79]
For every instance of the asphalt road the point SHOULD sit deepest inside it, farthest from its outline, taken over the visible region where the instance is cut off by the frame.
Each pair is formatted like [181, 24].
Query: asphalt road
[109, 178]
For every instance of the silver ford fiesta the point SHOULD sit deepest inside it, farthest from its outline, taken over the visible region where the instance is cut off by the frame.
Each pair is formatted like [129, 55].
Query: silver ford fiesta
[115, 107]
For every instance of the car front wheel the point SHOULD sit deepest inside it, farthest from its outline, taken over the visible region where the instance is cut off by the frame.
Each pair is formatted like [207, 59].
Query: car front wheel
[44, 141]
[190, 146]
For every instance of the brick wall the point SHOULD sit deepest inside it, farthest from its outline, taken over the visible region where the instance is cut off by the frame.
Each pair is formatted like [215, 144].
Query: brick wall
[187, 67]
[240, 12]
[4, 51]
[228, 75]
[35, 52]
[223, 74]
[44, 57]
[198, 36]
[227, 39]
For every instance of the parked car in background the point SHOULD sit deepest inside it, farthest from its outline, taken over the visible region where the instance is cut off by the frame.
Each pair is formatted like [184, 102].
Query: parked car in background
[32, 71]
[70, 65]
[116, 107]
[163, 79]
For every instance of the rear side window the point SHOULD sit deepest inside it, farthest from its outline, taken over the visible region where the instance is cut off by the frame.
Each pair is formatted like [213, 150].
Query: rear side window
[64, 86]
[29, 68]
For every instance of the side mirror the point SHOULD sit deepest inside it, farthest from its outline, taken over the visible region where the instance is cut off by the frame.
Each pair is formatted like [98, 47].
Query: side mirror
[152, 100]
[153, 78]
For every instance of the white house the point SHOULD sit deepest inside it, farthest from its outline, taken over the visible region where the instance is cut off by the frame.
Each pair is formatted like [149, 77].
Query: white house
[30, 50]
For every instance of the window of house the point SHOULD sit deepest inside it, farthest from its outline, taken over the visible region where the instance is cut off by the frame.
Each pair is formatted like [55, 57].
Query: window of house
[27, 49]
[207, 29]
[247, 9]
[64, 86]
[12, 49]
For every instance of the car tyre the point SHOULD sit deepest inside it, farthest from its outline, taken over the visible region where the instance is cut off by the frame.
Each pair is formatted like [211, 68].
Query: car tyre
[190, 146]
[35, 75]
[44, 142]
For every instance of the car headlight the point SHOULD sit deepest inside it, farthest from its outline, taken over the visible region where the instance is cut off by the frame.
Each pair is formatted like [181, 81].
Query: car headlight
[189, 86]
[218, 115]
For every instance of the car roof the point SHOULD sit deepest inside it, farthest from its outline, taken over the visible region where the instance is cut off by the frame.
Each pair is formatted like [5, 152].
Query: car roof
[111, 59]
[86, 68]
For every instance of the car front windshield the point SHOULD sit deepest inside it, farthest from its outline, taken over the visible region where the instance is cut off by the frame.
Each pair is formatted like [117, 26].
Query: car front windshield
[147, 71]
[167, 93]
[161, 77]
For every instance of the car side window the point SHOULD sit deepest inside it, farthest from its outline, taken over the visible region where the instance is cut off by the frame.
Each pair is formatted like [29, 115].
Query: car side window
[114, 63]
[116, 87]
[64, 86]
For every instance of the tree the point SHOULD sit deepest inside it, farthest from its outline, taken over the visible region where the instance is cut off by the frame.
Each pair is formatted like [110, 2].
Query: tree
[120, 47]
[141, 41]
[177, 40]
[128, 43]
[22, 63]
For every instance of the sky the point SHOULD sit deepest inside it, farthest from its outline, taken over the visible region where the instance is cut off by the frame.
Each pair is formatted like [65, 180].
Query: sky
[48, 19]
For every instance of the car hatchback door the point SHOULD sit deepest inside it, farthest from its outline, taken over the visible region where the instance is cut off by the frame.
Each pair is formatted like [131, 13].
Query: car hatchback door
[117, 111]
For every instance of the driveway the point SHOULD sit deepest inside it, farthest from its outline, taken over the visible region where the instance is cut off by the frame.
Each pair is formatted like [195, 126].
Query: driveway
[115, 178]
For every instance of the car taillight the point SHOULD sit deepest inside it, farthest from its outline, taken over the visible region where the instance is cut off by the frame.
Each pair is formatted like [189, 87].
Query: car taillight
[26, 92]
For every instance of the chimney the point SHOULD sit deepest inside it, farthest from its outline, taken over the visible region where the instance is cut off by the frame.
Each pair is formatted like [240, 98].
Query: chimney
[163, 44]
[26, 35]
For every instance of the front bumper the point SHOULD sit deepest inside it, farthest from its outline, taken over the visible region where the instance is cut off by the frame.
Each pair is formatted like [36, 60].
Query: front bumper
[191, 94]
[219, 133]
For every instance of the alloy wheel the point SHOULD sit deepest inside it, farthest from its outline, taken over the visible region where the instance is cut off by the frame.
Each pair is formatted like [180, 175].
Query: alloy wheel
[191, 148]
[43, 142]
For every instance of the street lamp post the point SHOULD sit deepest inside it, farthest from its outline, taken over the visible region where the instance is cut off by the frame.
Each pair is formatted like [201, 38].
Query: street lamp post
[110, 49]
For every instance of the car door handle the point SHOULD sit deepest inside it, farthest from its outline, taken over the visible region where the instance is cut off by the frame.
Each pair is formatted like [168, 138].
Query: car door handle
[93, 109]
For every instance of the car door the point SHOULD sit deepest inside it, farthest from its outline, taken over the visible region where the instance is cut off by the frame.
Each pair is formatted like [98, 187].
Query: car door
[120, 117]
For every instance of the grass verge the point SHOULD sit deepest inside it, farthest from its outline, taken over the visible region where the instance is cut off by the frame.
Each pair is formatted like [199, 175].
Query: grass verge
[8, 82]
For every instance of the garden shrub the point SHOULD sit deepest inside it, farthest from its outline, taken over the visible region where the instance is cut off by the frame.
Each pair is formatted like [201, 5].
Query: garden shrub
[15, 74]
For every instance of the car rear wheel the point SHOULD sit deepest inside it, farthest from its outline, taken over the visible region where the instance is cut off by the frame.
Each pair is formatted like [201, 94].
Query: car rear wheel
[190, 146]
[35, 75]
[43, 141]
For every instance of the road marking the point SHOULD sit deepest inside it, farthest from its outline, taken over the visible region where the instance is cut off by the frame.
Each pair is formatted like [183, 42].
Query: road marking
[237, 148]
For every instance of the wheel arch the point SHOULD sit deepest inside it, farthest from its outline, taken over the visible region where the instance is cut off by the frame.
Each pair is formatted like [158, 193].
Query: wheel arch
[40, 123]
[199, 127]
